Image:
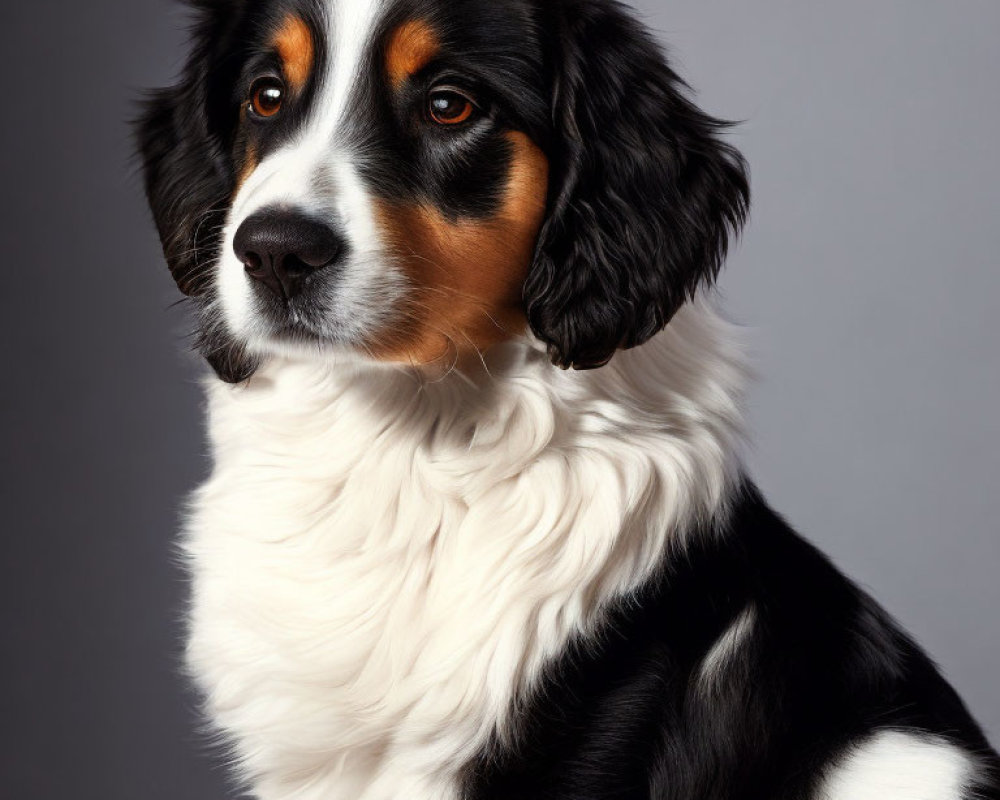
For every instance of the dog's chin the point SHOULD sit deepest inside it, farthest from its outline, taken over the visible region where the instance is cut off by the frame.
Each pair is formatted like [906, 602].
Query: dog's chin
[303, 331]
[299, 343]
[297, 333]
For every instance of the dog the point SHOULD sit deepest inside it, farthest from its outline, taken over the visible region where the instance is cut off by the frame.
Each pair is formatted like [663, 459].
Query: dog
[478, 525]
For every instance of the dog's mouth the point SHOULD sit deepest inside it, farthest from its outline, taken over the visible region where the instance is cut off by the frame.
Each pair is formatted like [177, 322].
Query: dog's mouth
[300, 314]
[306, 328]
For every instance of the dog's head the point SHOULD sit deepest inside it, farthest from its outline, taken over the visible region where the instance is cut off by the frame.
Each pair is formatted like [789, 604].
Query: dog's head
[415, 180]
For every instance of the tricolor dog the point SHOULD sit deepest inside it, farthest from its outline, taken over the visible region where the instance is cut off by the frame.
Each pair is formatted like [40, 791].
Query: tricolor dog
[478, 525]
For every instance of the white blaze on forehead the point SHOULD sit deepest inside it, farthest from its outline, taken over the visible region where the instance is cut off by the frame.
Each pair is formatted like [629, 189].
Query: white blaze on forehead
[350, 27]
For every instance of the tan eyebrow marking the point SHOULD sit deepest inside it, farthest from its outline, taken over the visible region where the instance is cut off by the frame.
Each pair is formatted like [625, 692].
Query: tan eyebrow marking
[411, 48]
[294, 43]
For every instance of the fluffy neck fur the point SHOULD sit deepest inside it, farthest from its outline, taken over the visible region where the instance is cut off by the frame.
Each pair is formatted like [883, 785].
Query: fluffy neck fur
[383, 564]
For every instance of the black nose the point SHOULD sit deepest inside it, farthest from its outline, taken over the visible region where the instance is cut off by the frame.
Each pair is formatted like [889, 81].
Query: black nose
[283, 249]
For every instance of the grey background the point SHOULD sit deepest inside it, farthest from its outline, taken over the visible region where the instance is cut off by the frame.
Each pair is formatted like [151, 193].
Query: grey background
[868, 278]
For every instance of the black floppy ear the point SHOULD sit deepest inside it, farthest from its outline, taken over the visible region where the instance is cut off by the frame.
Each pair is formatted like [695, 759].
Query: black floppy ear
[183, 137]
[184, 141]
[186, 184]
[645, 195]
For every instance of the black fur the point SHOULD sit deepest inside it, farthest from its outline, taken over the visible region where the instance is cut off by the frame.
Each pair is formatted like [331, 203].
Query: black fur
[625, 716]
[644, 197]
[188, 167]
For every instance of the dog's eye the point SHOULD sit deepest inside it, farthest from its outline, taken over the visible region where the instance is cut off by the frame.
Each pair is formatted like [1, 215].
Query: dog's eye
[266, 96]
[449, 107]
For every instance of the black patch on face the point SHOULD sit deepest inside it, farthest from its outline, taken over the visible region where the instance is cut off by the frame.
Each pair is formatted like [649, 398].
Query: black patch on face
[191, 139]
[490, 50]
[264, 136]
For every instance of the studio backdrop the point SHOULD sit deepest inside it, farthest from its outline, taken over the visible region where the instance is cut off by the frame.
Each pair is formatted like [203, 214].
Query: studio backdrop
[868, 278]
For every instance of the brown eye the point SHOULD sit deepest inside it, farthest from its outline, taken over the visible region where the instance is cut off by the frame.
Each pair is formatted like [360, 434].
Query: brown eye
[266, 95]
[448, 107]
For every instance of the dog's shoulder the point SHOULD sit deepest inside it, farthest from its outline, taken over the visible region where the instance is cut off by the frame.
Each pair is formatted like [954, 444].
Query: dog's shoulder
[749, 667]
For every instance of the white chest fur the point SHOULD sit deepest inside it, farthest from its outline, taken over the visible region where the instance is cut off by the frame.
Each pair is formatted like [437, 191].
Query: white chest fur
[379, 564]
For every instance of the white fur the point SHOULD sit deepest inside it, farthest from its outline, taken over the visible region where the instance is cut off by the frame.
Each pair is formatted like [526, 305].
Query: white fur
[893, 765]
[380, 562]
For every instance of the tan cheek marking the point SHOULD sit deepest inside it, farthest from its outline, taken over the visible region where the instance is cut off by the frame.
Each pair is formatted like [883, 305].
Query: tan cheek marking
[411, 48]
[248, 163]
[294, 44]
[466, 277]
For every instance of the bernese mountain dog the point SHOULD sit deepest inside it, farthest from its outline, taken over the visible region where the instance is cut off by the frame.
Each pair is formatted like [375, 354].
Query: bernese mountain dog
[478, 525]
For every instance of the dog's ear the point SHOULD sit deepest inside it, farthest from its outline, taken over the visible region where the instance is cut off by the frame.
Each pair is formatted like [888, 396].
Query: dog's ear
[183, 137]
[186, 183]
[644, 196]
[187, 161]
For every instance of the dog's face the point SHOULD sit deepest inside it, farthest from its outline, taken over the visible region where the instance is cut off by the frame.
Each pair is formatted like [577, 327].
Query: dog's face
[417, 180]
